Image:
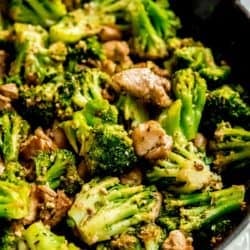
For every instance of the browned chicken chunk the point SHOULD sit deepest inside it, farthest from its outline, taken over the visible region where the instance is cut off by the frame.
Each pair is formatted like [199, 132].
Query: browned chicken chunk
[144, 84]
[177, 241]
[9, 90]
[47, 205]
[3, 57]
[133, 177]
[151, 141]
[117, 56]
[109, 33]
[36, 143]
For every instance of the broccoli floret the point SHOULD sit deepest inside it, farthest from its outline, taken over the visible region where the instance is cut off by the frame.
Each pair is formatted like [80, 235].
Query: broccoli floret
[34, 62]
[198, 210]
[108, 150]
[80, 53]
[104, 145]
[36, 103]
[87, 21]
[44, 13]
[215, 75]
[183, 170]
[57, 169]
[125, 241]
[39, 236]
[152, 24]
[190, 90]
[14, 199]
[224, 104]
[133, 111]
[164, 20]
[79, 89]
[145, 42]
[231, 147]
[13, 130]
[60, 98]
[190, 54]
[10, 237]
[105, 208]
[152, 236]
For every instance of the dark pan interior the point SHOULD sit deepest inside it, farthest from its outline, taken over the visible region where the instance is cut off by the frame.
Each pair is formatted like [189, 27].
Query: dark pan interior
[224, 26]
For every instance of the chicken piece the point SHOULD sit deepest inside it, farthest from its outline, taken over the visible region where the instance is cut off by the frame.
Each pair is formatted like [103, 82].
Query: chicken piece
[58, 136]
[53, 206]
[177, 241]
[143, 83]
[36, 143]
[9, 90]
[134, 177]
[5, 102]
[3, 58]
[151, 141]
[109, 33]
[154, 67]
[116, 51]
[117, 57]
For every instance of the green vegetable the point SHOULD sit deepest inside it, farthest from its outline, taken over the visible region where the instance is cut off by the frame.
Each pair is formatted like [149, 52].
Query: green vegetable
[57, 170]
[225, 104]
[198, 210]
[231, 147]
[184, 115]
[39, 237]
[44, 13]
[105, 208]
[184, 170]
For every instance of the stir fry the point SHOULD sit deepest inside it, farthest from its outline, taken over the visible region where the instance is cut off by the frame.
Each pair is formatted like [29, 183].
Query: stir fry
[116, 132]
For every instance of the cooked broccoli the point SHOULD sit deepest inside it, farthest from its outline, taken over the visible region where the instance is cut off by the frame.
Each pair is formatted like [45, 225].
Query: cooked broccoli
[125, 241]
[58, 170]
[13, 130]
[190, 54]
[133, 111]
[35, 62]
[152, 236]
[87, 21]
[201, 209]
[151, 24]
[105, 208]
[224, 104]
[80, 53]
[145, 42]
[14, 199]
[36, 103]
[39, 236]
[44, 13]
[60, 98]
[10, 236]
[215, 75]
[94, 134]
[231, 147]
[190, 90]
[183, 170]
[164, 20]
[108, 150]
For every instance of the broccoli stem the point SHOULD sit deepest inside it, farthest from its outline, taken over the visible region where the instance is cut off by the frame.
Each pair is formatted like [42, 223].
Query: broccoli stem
[225, 160]
[40, 10]
[170, 119]
[201, 209]
[115, 218]
[224, 132]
